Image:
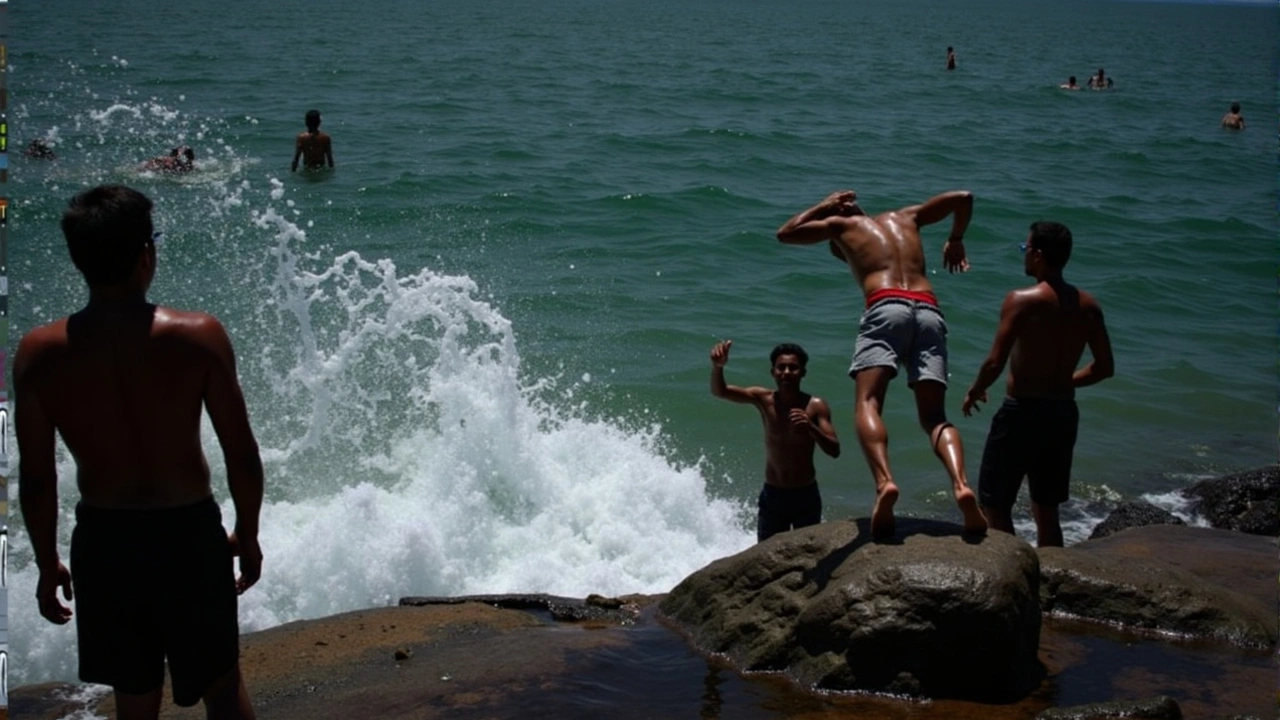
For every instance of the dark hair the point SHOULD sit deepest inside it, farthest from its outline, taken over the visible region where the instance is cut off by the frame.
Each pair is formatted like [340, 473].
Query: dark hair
[1072, 79]
[1053, 240]
[789, 349]
[313, 119]
[1235, 108]
[106, 228]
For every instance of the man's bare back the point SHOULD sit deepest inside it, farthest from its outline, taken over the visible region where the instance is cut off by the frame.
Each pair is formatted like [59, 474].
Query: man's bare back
[315, 148]
[1057, 321]
[125, 389]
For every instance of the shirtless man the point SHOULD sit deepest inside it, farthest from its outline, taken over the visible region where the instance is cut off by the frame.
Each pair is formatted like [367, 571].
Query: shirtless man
[1070, 84]
[1043, 332]
[124, 383]
[313, 147]
[901, 324]
[1233, 119]
[794, 422]
[181, 159]
[951, 58]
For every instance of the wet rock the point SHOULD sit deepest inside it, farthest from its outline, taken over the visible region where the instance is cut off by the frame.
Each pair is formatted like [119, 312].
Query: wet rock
[1133, 513]
[595, 608]
[931, 613]
[1157, 708]
[1245, 501]
[1201, 582]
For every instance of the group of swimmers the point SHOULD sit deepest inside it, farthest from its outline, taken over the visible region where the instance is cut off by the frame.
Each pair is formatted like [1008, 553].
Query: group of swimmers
[1101, 81]
[1042, 334]
[313, 147]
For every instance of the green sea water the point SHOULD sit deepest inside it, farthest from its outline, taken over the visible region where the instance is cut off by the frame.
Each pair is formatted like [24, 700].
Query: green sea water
[595, 187]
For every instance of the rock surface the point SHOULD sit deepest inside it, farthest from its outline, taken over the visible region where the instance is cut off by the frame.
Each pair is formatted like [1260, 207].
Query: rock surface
[1195, 581]
[930, 613]
[1157, 708]
[1134, 513]
[1245, 501]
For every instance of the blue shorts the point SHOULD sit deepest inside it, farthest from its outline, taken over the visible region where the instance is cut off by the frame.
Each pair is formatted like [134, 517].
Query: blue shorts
[783, 509]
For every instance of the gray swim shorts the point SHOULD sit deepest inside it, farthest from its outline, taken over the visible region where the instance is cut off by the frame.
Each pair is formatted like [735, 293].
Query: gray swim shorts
[899, 330]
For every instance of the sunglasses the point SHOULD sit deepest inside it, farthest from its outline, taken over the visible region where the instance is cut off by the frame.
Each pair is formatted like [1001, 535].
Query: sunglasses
[1023, 248]
[157, 239]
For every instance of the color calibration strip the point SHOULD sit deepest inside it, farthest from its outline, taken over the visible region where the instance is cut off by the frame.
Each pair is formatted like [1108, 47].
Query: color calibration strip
[4, 357]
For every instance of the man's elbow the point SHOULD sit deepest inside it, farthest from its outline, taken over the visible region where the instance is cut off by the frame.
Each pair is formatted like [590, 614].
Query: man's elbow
[1104, 370]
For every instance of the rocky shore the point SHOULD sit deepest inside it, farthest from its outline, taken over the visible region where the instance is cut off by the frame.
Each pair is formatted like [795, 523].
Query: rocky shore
[1156, 620]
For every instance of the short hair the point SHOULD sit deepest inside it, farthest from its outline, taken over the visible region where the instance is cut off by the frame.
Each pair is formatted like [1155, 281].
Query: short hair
[1053, 240]
[313, 118]
[1235, 107]
[106, 228]
[1072, 79]
[789, 349]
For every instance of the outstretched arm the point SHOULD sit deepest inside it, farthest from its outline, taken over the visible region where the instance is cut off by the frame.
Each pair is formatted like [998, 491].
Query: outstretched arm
[38, 493]
[721, 389]
[993, 365]
[1103, 364]
[225, 404]
[823, 221]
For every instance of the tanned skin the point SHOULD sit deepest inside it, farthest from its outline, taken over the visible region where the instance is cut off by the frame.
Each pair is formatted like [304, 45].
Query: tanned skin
[124, 382]
[885, 251]
[1042, 334]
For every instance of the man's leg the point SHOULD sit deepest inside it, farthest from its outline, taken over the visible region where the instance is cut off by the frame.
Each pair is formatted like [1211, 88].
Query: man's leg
[1048, 526]
[870, 385]
[143, 706]
[945, 438]
[228, 698]
[998, 519]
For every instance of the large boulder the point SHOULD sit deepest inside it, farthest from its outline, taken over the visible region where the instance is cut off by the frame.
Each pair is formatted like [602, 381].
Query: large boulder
[1245, 501]
[1134, 513]
[931, 613]
[1191, 581]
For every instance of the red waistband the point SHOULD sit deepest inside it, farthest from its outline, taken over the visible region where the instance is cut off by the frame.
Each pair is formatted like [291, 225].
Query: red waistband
[924, 296]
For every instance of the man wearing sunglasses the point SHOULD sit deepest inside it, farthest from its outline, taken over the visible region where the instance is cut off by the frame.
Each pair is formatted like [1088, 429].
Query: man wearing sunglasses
[125, 383]
[902, 325]
[1043, 332]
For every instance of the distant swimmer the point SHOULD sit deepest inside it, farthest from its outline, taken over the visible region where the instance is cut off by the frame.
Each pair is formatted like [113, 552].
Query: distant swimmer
[1043, 332]
[951, 58]
[125, 384]
[40, 149]
[313, 147]
[181, 159]
[794, 422]
[1233, 119]
[1101, 81]
[1070, 84]
[902, 324]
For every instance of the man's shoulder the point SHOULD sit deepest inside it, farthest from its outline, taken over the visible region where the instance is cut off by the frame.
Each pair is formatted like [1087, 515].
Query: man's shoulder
[44, 336]
[194, 323]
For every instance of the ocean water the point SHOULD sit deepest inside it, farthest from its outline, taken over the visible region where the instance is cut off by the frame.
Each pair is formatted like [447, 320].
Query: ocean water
[475, 354]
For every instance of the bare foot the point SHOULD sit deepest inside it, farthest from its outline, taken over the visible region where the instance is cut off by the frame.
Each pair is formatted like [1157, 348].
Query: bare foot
[882, 525]
[974, 521]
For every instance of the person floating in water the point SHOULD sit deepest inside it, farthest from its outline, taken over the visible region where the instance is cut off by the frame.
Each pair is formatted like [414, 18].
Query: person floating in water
[1070, 84]
[794, 422]
[1233, 119]
[40, 149]
[902, 324]
[181, 159]
[1043, 332]
[951, 58]
[313, 147]
[125, 383]
[1101, 81]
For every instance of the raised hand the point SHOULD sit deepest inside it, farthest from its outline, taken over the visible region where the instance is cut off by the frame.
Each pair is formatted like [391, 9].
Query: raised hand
[720, 353]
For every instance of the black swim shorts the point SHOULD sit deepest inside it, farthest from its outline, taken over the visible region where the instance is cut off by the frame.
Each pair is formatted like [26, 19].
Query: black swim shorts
[1030, 438]
[783, 509]
[151, 585]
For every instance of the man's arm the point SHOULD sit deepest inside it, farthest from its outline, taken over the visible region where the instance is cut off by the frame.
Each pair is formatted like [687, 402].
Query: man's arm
[721, 389]
[328, 149]
[1103, 364]
[224, 401]
[38, 491]
[824, 434]
[959, 205]
[297, 154]
[824, 221]
[1006, 334]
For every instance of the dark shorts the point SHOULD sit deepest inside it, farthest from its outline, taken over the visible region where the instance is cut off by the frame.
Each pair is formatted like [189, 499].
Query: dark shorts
[1029, 438]
[783, 509]
[151, 585]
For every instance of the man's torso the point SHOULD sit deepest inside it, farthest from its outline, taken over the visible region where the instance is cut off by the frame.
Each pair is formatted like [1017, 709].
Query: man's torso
[884, 251]
[1055, 330]
[313, 147]
[789, 451]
